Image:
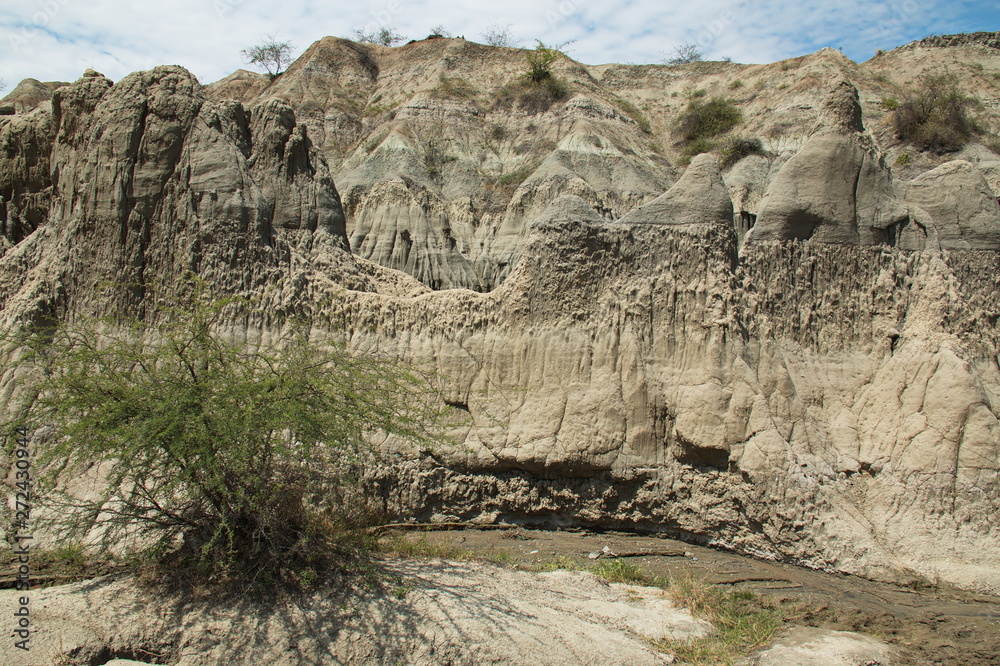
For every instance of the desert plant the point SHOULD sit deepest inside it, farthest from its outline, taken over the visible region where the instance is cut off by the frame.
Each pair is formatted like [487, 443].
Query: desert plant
[685, 53]
[454, 87]
[704, 119]
[384, 36]
[540, 61]
[936, 116]
[889, 103]
[435, 155]
[538, 88]
[438, 31]
[620, 571]
[270, 54]
[512, 179]
[235, 463]
[743, 621]
[499, 35]
[735, 149]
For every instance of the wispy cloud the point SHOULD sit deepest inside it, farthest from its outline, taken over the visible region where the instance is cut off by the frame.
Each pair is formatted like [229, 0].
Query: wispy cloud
[58, 39]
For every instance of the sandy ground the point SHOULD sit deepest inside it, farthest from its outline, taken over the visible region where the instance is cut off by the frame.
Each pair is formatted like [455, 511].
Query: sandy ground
[928, 625]
[434, 611]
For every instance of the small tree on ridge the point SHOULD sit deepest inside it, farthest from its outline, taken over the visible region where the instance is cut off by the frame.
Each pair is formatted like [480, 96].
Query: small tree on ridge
[270, 54]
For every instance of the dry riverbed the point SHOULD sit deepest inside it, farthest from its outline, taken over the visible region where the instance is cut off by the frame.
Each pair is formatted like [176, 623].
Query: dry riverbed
[927, 625]
[531, 601]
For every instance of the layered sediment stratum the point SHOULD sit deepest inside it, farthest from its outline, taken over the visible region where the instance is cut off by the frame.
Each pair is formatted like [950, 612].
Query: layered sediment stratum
[823, 388]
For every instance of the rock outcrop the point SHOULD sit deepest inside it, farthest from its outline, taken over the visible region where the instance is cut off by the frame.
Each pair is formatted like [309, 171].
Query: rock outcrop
[964, 210]
[828, 395]
[699, 197]
[29, 95]
[837, 188]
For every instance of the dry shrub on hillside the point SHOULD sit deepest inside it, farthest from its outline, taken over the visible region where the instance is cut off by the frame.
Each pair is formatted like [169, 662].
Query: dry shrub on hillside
[936, 117]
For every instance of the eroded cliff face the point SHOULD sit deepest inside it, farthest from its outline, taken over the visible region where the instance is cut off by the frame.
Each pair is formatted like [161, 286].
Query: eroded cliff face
[833, 404]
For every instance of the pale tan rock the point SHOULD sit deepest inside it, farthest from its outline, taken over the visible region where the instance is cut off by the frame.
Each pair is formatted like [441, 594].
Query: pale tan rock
[831, 404]
[961, 205]
[436, 611]
[699, 197]
[837, 188]
[807, 646]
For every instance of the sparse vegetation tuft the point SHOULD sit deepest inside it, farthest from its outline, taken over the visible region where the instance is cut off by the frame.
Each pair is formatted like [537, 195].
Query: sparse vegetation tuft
[499, 35]
[384, 36]
[936, 117]
[539, 88]
[512, 179]
[704, 119]
[540, 61]
[635, 114]
[438, 32]
[735, 149]
[684, 54]
[889, 103]
[743, 621]
[620, 571]
[454, 87]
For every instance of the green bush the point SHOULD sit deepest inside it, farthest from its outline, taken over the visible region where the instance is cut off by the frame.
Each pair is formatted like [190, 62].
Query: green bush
[707, 118]
[232, 463]
[540, 62]
[697, 147]
[936, 117]
[736, 148]
[539, 88]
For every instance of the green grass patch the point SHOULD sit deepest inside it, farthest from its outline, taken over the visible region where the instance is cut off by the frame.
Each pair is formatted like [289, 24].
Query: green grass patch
[620, 571]
[704, 119]
[453, 87]
[635, 114]
[889, 103]
[743, 621]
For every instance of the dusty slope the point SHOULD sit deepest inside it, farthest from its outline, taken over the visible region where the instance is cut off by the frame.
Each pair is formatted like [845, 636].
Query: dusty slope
[442, 173]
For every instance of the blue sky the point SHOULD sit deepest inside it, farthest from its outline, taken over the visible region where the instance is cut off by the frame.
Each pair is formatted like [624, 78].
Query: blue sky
[59, 39]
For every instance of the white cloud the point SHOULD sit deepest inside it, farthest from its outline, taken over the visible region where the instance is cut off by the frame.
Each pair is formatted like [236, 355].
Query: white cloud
[59, 39]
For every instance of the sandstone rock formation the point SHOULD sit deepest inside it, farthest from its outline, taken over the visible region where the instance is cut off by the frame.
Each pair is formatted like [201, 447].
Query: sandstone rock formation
[830, 401]
[29, 94]
[699, 197]
[964, 210]
[837, 188]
